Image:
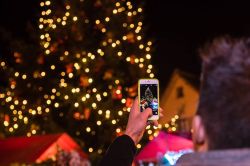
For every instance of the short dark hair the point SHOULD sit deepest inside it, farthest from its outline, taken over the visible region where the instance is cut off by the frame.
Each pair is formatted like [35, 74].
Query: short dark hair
[225, 92]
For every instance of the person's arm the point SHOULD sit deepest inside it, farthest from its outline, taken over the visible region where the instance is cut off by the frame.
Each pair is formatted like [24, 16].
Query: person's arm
[122, 151]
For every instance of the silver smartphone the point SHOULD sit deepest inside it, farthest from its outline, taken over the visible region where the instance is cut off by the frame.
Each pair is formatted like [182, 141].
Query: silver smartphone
[148, 90]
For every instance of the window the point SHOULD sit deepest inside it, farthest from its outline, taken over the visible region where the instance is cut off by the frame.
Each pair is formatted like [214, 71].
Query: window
[179, 92]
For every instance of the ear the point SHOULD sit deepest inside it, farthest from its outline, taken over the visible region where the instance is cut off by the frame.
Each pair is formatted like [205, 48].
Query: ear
[199, 134]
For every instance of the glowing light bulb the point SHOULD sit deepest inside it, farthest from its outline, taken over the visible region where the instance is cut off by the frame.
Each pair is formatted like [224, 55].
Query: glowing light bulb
[97, 22]
[75, 18]
[76, 105]
[99, 112]
[91, 150]
[94, 105]
[15, 126]
[47, 3]
[148, 56]
[107, 19]
[11, 129]
[118, 130]
[33, 131]
[98, 123]
[120, 113]
[52, 67]
[90, 80]
[115, 11]
[138, 146]
[56, 105]
[88, 129]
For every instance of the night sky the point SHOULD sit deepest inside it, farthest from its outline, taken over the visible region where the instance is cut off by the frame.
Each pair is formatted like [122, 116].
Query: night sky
[177, 29]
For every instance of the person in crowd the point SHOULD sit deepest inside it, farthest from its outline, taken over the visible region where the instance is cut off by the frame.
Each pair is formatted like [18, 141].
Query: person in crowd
[221, 126]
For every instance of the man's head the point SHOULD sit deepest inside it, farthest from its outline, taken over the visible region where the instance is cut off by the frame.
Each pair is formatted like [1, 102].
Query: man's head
[223, 116]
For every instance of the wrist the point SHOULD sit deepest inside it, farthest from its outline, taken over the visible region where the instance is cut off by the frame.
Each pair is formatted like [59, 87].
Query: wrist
[132, 136]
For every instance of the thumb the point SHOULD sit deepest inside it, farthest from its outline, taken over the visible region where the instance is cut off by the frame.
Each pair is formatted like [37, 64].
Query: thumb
[147, 113]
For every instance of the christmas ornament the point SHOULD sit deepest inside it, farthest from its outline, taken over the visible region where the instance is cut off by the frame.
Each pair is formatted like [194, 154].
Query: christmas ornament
[18, 57]
[131, 37]
[132, 59]
[86, 113]
[77, 116]
[129, 102]
[40, 60]
[53, 47]
[84, 81]
[7, 118]
[69, 68]
[98, 3]
[108, 75]
[132, 91]
[13, 83]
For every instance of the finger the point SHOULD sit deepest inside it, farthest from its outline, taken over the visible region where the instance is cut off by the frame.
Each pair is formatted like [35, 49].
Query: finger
[155, 123]
[160, 110]
[135, 107]
[147, 113]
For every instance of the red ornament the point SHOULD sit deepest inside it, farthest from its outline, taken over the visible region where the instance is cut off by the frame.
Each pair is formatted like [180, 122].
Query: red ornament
[13, 82]
[53, 47]
[86, 113]
[108, 75]
[7, 118]
[69, 68]
[132, 91]
[18, 57]
[131, 37]
[40, 60]
[77, 115]
[84, 81]
[98, 3]
[129, 102]
[132, 59]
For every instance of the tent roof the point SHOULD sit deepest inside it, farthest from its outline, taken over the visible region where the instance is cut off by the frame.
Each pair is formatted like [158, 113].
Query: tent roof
[35, 148]
[161, 144]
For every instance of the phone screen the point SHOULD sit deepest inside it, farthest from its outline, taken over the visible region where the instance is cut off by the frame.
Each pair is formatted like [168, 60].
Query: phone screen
[149, 97]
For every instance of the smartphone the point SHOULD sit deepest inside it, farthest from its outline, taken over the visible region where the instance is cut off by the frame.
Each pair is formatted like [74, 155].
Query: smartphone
[148, 90]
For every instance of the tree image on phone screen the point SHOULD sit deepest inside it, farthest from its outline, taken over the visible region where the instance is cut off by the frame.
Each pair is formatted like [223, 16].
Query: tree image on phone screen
[149, 97]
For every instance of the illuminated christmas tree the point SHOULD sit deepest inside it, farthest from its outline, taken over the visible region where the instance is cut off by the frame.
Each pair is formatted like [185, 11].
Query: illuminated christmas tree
[84, 78]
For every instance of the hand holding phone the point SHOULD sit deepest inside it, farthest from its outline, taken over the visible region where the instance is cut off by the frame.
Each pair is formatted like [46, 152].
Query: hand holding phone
[149, 96]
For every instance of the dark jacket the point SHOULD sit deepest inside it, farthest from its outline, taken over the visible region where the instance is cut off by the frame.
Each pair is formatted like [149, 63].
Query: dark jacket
[236, 157]
[120, 153]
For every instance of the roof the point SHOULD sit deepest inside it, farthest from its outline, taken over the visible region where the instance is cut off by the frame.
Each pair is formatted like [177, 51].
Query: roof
[161, 144]
[192, 79]
[36, 148]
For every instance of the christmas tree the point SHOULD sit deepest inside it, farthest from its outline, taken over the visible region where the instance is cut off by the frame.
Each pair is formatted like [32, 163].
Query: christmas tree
[83, 77]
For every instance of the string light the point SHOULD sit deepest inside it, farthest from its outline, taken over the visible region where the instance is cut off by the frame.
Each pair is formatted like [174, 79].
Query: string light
[87, 93]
